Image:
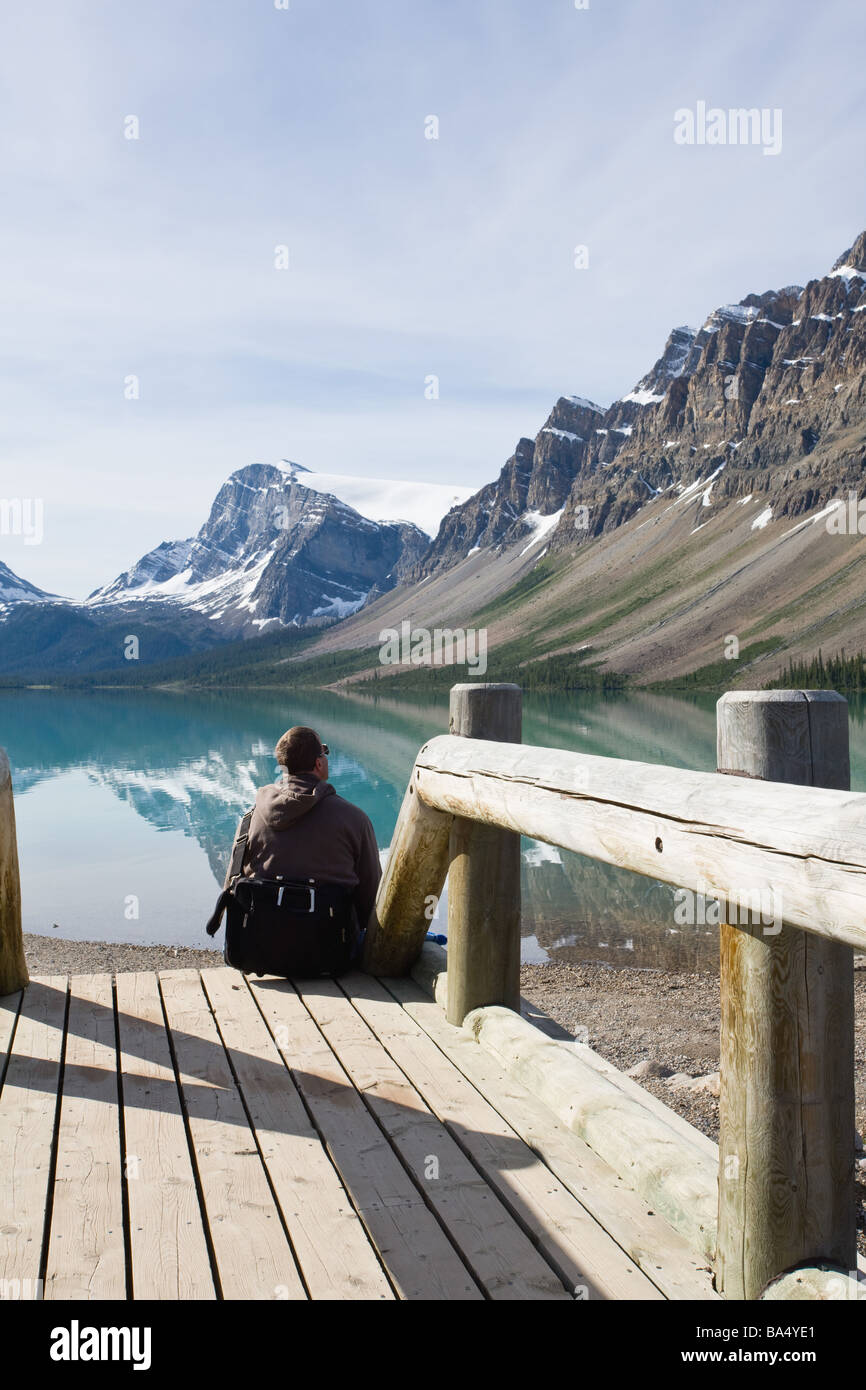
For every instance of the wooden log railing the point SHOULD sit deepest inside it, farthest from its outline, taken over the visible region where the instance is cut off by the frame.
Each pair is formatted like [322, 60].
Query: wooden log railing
[788, 864]
[13, 969]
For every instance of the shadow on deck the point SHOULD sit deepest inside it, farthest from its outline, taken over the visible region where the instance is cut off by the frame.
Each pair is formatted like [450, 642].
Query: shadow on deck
[200, 1135]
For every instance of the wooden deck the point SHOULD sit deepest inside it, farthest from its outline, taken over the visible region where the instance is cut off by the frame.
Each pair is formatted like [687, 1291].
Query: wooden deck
[201, 1135]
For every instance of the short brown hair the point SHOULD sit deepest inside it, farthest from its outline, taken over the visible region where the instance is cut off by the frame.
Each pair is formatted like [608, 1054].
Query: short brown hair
[298, 749]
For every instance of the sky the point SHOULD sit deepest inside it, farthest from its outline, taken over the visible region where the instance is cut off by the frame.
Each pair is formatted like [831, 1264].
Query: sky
[151, 344]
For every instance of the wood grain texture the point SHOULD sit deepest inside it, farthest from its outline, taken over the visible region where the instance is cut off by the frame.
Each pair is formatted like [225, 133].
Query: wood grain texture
[86, 1256]
[420, 1260]
[412, 880]
[253, 1256]
[795, 736]
[581, 1252]
[490, 709]
[13, 967]
[169, 1254]
[736, 835]
[676, 1178]
[28, 1112]
[431, 974]
[484, 871]
[821, 1284]
[331, 1245]
[497, 1250]
[9, 1006]
[640, 1232]
[786, 1109]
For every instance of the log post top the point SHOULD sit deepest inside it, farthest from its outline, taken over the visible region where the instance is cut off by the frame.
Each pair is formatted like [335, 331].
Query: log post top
[763, 697]
[489, 711]
[795, 736]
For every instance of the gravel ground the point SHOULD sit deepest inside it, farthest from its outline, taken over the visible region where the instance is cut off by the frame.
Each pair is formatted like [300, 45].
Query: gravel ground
[52, 955]
[667, 1021]
[670, 1020]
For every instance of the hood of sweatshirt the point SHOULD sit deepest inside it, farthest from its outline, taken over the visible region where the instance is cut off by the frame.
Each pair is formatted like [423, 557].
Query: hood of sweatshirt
[285, 802]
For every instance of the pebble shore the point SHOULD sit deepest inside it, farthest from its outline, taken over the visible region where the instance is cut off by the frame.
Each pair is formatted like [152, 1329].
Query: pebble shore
[54, 955]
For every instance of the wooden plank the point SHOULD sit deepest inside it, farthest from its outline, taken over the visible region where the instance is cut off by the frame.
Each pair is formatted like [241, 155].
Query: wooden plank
[660, 1252]
[497, 1250]
[28, 1112]
[736, 836]
[582, 1253]
[86, 1256]
[9, 1006]
[253, 1256]
[786, 1109]
[420, 1261]
[484, 870]
[169, 1252]
[331, 1245]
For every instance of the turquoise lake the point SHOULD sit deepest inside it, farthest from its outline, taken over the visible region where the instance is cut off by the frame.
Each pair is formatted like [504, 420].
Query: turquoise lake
[126, 807]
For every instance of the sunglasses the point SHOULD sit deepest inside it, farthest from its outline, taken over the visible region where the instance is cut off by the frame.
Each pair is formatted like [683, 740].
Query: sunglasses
[325, 750]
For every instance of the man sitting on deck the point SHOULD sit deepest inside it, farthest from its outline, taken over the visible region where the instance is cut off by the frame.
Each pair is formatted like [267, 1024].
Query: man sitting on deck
[302, 828]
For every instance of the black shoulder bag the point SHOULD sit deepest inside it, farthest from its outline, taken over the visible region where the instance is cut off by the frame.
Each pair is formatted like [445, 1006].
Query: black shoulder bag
[280, 926]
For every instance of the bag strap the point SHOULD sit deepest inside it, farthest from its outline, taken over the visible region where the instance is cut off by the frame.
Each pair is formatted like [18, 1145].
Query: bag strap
[215, 920]
[234, 872]
[239, 849]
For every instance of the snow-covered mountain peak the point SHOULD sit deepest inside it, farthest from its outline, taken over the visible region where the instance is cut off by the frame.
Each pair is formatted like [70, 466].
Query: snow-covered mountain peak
[284, 544]
[14, 590]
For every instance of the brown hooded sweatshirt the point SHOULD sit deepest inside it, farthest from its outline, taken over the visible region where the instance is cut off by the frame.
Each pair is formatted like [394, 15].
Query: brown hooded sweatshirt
[301, 828]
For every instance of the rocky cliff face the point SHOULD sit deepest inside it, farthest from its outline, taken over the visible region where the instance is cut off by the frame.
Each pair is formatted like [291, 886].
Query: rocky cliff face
[767, 399]
[770, 402]
[273, 550]
[535, 483]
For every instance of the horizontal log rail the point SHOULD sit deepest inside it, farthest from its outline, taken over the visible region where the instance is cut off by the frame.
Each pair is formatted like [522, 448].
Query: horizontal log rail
[734, 836]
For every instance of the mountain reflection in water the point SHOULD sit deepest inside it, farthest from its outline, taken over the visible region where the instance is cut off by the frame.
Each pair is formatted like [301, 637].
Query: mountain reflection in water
[126, 806]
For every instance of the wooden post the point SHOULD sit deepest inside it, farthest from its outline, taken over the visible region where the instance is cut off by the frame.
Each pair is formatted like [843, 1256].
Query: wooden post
[13, 968]
[484, 872]
[786, 1143]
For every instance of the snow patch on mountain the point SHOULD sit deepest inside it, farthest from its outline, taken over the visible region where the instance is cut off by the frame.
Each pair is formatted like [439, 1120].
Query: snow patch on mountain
[384, 499]
[336, 607]
[562, 434]
[847, 273]
[540, 526]
[643, 398]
